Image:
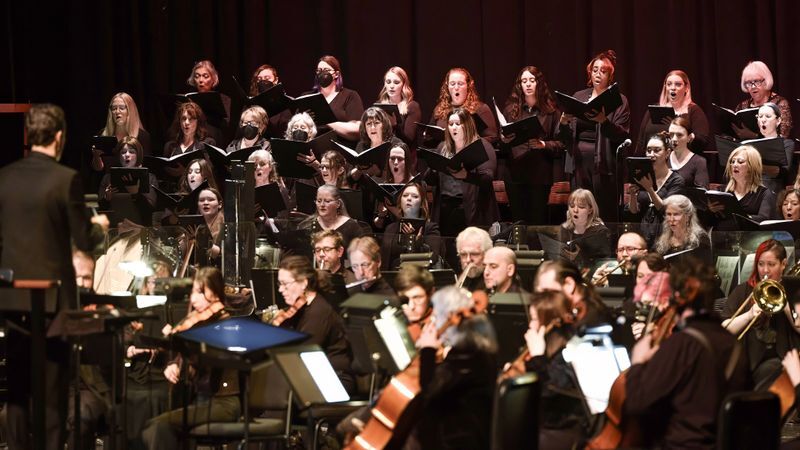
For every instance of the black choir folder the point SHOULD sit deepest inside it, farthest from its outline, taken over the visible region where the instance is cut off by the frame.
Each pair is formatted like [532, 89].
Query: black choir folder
[270, 199]
[209, 102]
[772, 150]
[389, 108]
[129, 176]
[661, 115]
[608, 101]
[105, 143]
[274, 100]
[742, 118]
[640, 167]
[377, 155]
[728, 200]
[745, 223]
[316, 105]
[285, 154]
[221, 158]
[431, 133]
[470, 157]
[161, 165]
[523, 130]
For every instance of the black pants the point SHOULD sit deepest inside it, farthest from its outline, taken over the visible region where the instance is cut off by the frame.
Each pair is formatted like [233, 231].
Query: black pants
[162, 432]
[56, 381]
[603, 186]
[529, 202]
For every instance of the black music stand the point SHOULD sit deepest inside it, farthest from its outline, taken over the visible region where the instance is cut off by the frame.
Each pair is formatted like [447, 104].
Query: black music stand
[38, 304]
[239, 343]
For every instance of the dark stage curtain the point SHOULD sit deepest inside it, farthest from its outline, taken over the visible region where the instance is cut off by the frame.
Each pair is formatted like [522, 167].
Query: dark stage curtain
[78, 54]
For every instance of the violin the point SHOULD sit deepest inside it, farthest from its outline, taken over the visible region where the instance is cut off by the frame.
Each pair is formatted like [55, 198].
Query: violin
[285, 314]
[195, 317]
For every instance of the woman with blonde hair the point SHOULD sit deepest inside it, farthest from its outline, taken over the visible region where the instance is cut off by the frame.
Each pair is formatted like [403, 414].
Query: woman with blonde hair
[676, 91]
[744, 171]
[122, 121]
[584, 233]
[397, 90]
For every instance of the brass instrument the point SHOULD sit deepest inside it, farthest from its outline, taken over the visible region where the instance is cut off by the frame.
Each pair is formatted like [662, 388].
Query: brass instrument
[600, 281]
[463, 277]
[793, 271]
[770, 297]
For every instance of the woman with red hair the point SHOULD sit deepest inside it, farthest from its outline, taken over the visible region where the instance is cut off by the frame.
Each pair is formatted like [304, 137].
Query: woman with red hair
[772, 335]
[458, 91]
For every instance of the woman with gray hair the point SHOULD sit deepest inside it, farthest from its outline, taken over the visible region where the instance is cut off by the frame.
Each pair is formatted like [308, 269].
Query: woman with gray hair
[460, 389]
[682, 230]
[758, 82]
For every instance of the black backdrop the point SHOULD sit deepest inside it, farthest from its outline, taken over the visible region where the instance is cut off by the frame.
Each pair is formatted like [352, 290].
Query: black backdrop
[78, 54]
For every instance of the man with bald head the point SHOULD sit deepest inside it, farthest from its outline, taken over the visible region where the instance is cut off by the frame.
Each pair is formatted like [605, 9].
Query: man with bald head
[628, 245]
[500, 268]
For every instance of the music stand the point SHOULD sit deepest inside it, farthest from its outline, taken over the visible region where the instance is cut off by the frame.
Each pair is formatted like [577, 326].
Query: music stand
[239, 343]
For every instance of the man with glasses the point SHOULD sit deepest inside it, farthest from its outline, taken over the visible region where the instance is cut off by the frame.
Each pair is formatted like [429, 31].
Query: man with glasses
[328, 248]
[364, 254]
[629, 245]
[471, 245]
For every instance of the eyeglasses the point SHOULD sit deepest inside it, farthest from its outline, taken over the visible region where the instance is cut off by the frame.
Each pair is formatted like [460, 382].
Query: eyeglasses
[249, 122]
[324, 250]
[754, 83]
[113, 108]
[282, 284]
[628, 249]
[372, 123]
[469, 254]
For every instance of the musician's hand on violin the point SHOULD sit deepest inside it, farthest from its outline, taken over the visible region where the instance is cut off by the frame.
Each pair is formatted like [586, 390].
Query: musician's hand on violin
[791, 362]
[637, 328]
[167, 330]
[134, 351]
[172, 373]
[428, 337]
[534, 339]
[643, 351]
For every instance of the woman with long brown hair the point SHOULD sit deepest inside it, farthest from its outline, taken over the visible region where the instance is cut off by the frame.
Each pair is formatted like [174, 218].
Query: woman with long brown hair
[189, 130]
[535, 163]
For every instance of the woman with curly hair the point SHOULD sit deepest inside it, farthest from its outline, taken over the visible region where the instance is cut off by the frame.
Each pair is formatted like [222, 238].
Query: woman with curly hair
[682, 230]
[189, 130]
[458, 91]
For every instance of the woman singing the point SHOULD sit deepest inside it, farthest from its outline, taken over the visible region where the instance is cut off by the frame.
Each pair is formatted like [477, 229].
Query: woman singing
[591, 156]
[122, 121]
[535, 163]
[744, 171]
[769, 121]
[677, 93]
[189, 130]
[406, 237]
[464, 197]
[458, 91]
[584, 234]
[689, 165]
[397, 90]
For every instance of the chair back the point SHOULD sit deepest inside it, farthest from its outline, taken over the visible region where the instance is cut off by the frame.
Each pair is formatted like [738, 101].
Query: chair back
[515, 416]
[749, 420]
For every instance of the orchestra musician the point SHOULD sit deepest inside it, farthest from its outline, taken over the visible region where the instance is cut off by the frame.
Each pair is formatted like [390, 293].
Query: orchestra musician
[459, 390]
[414, 286]
[564, 422]
[500, 271]
[364, 254]
[629, 245]
[471, 245]
[585, 304]
[302, 287]
[772, 335]
[328, 247]
[216, 390]
[677, 387]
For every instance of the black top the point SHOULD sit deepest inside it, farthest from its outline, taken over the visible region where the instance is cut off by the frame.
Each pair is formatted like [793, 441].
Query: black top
[406, 128]
[594, 243]
[483, 111]
[698, 124]
[694, 171]
[537, 165]
[325, 328]
[608, 136]
[758, 205]
[392, 248]
[652, 218]
[681, 387]
[172, 148]
[347, 105]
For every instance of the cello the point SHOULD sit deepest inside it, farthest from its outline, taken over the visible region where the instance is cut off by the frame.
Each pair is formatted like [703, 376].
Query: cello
[394, 412]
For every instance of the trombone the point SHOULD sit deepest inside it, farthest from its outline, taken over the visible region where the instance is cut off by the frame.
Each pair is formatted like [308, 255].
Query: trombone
[769, 295]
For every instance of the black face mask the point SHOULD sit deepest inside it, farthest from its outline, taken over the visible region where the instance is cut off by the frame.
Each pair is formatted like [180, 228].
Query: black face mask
[249, 132]
[324, 79]
[264, 85]
[299, 135]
